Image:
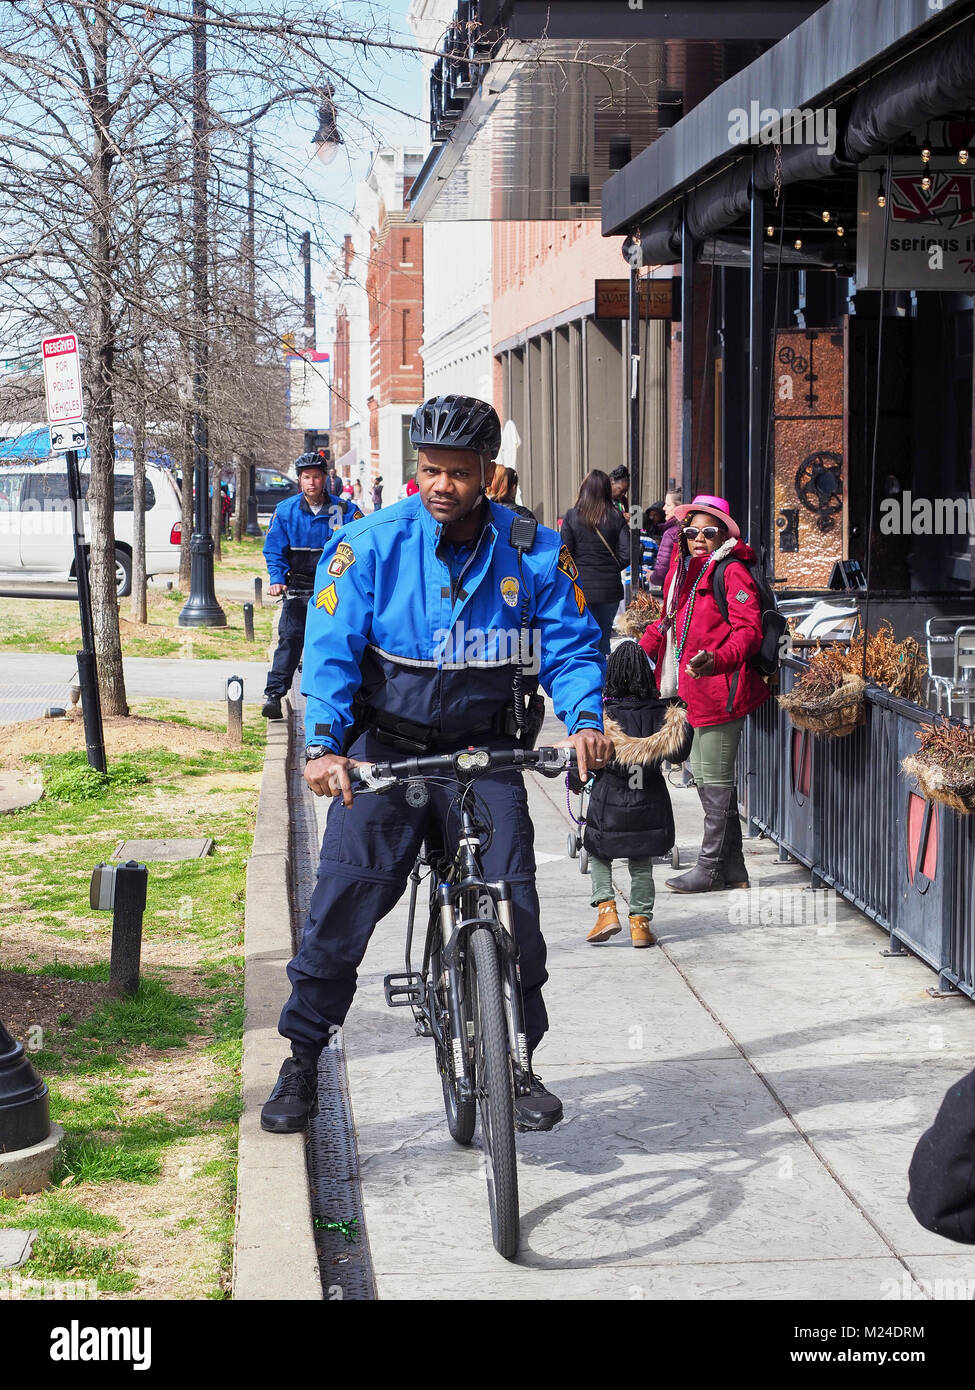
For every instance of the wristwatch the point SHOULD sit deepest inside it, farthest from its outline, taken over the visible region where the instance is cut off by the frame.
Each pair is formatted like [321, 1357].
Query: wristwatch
[316, 750]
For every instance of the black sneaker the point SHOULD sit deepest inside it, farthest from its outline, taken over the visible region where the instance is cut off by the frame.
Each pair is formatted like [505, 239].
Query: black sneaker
[294, 1098]
[538, 1110]
[272, 708]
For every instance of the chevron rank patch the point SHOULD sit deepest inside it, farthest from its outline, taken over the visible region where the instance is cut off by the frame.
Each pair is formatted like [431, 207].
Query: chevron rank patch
[741, 596]
[344, 557]
[580, 598]
[328, 599]
[567, 565]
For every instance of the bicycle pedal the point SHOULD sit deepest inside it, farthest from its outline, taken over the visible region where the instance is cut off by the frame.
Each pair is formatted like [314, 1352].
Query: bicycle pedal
[401, 990]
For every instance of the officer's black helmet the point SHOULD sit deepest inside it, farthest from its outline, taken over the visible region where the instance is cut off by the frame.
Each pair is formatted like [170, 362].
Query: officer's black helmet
[310, 461]
[456, 422]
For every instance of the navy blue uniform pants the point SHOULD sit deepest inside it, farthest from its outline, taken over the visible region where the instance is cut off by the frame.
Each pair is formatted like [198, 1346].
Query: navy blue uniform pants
[291, 642]
[367, 853]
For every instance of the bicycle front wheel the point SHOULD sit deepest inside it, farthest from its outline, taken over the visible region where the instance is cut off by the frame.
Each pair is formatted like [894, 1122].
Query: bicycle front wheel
[495, 1091]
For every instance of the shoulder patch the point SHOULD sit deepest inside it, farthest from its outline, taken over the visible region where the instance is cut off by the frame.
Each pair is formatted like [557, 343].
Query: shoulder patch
[741, 596]
[328, 599]
[356, 515]
[344, 557]
[566, 563]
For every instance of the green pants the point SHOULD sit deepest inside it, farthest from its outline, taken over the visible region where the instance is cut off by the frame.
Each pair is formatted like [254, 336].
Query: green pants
[714, 752]
[641, 884]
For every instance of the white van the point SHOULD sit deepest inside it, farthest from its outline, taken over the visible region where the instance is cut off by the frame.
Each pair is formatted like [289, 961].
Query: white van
[36, 535]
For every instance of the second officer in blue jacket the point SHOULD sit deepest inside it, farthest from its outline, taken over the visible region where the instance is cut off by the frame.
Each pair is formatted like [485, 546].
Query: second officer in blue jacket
[299, 529]
[414, 609]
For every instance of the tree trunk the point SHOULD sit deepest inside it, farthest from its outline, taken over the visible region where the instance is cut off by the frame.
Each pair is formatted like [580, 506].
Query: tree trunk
[243, 478]
[101, 493]
[138, 606]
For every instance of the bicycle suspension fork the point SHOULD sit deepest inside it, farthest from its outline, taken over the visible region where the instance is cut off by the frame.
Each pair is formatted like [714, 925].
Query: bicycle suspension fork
[511, 988]
[458, 1025]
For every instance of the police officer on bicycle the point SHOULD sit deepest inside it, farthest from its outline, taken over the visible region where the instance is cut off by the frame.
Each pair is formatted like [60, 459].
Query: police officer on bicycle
[414, 613]
[299, 529]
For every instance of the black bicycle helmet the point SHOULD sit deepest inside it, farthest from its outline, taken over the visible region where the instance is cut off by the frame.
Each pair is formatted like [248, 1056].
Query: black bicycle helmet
[310, 460]
[456, 422]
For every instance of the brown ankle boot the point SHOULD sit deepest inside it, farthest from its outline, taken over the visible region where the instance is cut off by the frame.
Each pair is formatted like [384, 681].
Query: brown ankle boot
[640, 932]
[607, 922]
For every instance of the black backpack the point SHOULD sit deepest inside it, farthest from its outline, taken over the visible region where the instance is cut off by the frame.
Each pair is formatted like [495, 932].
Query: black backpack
[766, 659]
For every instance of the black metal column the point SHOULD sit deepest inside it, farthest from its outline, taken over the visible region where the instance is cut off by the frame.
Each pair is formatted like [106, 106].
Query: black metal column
[756, 367]
[687, 253]
[201, 608]
[636, 493]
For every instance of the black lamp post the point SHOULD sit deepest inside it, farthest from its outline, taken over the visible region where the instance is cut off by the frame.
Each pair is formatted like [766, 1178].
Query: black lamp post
[252, 528]
[24, 1102]
[201, 608]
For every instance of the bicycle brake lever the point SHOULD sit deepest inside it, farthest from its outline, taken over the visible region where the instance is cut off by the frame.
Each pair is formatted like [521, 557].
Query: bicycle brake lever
[369, 782]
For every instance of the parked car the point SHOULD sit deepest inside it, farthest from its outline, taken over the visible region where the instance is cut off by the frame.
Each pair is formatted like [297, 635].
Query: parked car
[37, 537]
[273, 487]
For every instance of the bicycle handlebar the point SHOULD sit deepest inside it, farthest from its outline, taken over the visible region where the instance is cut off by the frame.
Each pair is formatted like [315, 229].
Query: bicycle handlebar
[377, 777]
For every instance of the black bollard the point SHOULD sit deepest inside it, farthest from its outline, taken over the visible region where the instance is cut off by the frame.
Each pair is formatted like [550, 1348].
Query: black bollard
[24, 1103]
[249, 621]
[128, 907]
[258, 598]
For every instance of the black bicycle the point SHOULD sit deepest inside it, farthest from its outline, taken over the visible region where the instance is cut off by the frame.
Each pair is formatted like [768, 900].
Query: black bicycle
[466, 994]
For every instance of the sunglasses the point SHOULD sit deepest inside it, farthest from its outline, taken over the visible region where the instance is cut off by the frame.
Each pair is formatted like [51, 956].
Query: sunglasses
[710, 533]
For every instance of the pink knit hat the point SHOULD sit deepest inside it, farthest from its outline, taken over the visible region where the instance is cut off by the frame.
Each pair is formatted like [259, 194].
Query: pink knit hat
[714, 506]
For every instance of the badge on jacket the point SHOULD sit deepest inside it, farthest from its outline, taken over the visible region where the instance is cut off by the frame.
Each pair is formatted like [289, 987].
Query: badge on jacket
[567, 565]
[509, 591]
[741, 596]
[328, 599]
[344, 557]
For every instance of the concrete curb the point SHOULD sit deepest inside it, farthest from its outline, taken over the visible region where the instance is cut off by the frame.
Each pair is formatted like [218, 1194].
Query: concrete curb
[274, 1243]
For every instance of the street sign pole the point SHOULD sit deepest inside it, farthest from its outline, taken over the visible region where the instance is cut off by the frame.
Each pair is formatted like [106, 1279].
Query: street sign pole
[91, 705]
[65, 417]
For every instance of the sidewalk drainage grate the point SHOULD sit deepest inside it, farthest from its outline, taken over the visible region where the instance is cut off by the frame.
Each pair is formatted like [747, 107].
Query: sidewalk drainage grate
[333, 1158]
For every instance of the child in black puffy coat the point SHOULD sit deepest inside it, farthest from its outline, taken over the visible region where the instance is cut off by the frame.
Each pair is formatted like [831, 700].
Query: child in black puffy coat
[630, 815]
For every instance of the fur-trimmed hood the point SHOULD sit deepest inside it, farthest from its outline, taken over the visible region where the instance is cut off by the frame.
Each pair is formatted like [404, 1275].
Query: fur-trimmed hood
[665, 744]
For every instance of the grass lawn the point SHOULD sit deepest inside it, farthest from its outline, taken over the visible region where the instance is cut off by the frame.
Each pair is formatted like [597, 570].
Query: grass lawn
[27, 625]
[146, 1088]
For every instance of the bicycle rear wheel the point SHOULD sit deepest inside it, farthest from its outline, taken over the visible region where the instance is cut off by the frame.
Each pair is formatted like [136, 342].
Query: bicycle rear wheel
[495, 1092]
[461, 1114]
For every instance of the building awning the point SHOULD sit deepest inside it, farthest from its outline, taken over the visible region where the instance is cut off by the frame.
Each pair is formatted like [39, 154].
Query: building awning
[872, 73]
[563, 82]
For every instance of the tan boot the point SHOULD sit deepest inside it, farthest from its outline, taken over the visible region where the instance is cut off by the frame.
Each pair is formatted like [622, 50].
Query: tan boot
[640, 933]
[607, 922]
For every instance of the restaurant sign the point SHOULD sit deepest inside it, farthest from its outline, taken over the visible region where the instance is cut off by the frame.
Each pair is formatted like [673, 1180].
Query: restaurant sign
[930, 232]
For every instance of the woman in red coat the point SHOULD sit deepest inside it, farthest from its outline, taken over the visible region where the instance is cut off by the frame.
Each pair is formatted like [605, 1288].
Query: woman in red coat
[710, 657]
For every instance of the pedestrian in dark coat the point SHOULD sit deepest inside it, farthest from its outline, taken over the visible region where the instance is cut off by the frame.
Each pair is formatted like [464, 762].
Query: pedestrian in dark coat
[942, 1172]
[629, 814]
[377, 494]
[598, 540]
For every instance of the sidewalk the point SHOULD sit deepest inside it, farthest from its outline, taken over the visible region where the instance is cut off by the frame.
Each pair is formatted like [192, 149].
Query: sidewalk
[741, 1103]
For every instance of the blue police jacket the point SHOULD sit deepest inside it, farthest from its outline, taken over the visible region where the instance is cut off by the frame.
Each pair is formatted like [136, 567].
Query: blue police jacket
[440, 649]
[296, 536]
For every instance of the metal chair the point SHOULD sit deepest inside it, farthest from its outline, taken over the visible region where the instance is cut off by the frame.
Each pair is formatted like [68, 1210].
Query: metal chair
[943, 650]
